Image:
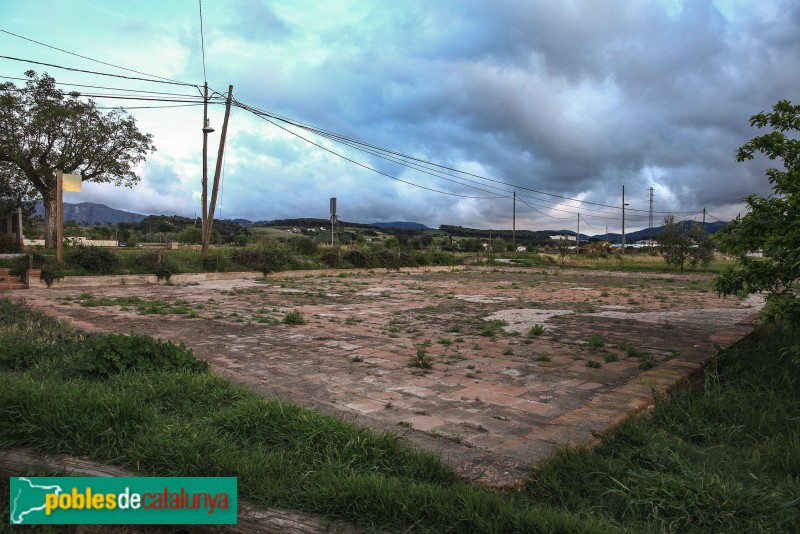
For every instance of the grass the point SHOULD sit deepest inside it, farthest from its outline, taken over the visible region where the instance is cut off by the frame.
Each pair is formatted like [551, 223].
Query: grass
[493, 328]
[617, 262]
[595, 342]
[536, 330]
[722, 457]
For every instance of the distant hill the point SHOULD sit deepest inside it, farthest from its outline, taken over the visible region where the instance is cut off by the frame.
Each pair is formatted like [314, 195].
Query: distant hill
[403, 225]
[711, 228]
[309, 222]
[89, 213]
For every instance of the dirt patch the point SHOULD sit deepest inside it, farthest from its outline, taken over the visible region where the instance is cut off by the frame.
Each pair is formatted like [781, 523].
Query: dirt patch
[491, 405]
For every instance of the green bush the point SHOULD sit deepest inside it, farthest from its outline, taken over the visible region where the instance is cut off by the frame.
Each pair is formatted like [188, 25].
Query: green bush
[357, 258]
[385, 259]
[294, 317]
[17, 354]
[304, 245]
[267, 259]
[96, 260]
[215, 262]
[158, 263]
[103, 355]
[51, 272]
[331, 257]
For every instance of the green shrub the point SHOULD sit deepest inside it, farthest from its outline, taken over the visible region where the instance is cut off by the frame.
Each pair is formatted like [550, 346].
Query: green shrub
[357, 258]
[422, 359]
[17, 354]
[384, 259]
[294, 317]
[50, 273]
[267, 259]
[214, 262]
[304, 245]
[96, 260]
[103, 355]
[331, 257]
[158, 263]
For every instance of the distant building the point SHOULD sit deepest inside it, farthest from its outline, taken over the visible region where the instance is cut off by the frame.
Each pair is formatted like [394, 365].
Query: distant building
[563, 238]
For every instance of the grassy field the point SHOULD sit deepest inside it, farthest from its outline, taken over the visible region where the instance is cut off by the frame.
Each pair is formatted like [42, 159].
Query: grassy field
[721, 457]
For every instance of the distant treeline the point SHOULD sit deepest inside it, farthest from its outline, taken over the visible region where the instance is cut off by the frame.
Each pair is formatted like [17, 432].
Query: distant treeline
[311, 223]
[177, 223]
[530, 237]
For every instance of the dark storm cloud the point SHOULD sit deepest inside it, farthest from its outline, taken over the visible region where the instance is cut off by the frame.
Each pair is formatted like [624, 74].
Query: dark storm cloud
[255, 19]
[573, 98]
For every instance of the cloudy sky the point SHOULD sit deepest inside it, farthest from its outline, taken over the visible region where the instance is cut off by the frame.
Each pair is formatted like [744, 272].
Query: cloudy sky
[562, 101]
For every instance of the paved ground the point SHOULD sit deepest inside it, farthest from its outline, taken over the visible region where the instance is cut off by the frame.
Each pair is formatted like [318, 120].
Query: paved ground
[491, 405]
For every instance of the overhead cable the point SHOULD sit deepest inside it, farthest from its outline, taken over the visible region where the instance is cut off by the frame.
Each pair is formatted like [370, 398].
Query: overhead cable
[366, 166]
[89, 58]
[96, 72]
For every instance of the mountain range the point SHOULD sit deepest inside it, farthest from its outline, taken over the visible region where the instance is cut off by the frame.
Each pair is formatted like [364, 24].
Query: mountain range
[90, 213]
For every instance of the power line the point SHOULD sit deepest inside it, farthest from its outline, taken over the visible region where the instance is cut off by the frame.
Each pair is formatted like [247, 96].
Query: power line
[367, 166]
[267, 116]
[96, 72]
[587, 223]
[421, 167]
[128, 97]
[89, 58]
[102, 87]
[203, 41]
[150, 107]
[342, 139]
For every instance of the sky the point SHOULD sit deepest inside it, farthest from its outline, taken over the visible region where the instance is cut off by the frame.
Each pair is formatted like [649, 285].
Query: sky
[563, 102]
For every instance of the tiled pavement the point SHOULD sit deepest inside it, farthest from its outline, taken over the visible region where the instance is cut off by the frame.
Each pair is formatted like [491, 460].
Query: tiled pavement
[491, 406]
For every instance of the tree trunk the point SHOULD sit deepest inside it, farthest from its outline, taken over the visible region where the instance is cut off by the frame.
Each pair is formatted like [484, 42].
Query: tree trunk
[50, 203]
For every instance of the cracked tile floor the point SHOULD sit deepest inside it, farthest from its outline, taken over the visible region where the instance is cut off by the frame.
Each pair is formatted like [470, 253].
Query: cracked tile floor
[490, 405]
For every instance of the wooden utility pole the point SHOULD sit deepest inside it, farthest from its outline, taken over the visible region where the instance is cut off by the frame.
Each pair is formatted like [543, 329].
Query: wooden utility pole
[578, 237]
[623, 219]
[514, 225]
[217, 171]
[206, 130]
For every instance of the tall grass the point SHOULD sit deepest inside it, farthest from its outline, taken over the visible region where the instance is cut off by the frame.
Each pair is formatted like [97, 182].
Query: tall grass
[724, 457]
[618, 262]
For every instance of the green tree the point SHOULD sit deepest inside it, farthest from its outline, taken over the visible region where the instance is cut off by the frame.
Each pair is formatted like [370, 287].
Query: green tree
[771, 224]
[191, 235]
[679, 244]
[44, 129]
